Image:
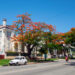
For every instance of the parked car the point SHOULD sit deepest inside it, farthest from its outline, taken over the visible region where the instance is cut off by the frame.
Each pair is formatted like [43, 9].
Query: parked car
[19, 60]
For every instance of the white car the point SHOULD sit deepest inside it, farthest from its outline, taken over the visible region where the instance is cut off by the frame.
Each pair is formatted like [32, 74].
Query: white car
[19, 60]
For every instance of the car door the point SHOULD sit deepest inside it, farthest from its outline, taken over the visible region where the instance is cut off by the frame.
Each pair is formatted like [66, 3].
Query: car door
[22, 60]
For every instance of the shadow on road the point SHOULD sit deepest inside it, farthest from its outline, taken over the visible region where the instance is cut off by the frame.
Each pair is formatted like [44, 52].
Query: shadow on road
[70, 63]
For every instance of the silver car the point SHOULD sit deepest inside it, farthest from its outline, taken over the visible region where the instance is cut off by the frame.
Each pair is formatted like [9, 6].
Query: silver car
[19, 60]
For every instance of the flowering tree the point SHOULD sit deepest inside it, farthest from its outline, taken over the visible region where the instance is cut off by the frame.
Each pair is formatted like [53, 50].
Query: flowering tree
[20, 27]
[70, 37]
[57, 42]
[64, 38]
[30, 33]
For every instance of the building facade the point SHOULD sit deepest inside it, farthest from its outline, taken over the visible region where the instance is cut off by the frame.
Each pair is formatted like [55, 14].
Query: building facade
[6, 32]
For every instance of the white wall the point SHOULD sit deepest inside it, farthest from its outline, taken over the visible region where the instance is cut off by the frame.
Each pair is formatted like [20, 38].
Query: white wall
[5, 40]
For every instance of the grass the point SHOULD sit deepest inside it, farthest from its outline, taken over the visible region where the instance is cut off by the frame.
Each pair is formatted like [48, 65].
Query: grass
[52, 59]
[4, 62]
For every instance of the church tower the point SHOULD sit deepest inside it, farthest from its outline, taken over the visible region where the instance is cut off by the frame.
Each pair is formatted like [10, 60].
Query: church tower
[6, 33]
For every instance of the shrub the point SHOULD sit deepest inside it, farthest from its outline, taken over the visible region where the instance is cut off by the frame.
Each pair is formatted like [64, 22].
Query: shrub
[12, 53]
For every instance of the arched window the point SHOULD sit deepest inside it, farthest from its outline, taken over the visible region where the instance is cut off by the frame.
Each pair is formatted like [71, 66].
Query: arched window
[8, 34]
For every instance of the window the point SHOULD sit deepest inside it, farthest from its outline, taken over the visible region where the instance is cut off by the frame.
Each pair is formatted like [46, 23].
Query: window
[8, 34]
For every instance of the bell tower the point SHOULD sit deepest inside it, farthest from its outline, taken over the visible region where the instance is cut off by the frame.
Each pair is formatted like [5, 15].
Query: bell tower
[4, 22]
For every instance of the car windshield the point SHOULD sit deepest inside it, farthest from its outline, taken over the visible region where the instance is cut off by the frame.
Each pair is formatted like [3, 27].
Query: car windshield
[20, 58]
[17, 58]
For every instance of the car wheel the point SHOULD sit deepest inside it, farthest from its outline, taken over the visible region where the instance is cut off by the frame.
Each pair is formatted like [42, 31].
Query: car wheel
[25, 63]
[10, 64]
[17, 64]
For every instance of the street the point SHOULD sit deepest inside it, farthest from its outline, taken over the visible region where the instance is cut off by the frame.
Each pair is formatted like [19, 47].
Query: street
[51, 68]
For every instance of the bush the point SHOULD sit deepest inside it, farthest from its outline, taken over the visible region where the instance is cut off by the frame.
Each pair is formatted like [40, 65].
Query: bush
[15, 54]
[12, 53]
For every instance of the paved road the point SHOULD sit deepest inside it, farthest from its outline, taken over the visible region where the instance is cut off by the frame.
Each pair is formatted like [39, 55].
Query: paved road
[54, 68]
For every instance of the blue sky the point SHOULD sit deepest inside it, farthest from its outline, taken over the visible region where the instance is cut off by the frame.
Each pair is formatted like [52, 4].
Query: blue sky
[56, 12]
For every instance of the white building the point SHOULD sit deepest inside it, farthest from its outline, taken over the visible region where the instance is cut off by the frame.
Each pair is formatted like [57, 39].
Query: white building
[6, 33]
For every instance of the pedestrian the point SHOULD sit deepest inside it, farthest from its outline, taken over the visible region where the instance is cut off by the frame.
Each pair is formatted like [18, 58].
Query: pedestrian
[66, 58]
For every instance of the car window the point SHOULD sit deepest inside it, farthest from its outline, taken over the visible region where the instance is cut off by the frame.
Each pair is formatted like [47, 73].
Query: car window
[20, 58]
[23, 57]
[17, 58]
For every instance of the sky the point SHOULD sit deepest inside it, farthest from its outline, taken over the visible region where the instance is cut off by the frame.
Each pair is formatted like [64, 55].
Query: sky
[60, 13]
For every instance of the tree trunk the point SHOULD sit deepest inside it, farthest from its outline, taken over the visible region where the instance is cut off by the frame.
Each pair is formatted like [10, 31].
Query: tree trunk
[64, 52]
[29, 53]
[29, 50]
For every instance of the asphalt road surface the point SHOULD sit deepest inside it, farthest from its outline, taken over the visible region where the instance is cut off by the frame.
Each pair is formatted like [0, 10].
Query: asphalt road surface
[51, 68]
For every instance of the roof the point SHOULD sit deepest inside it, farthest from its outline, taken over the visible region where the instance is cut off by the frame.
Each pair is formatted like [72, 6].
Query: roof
[7, 26]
